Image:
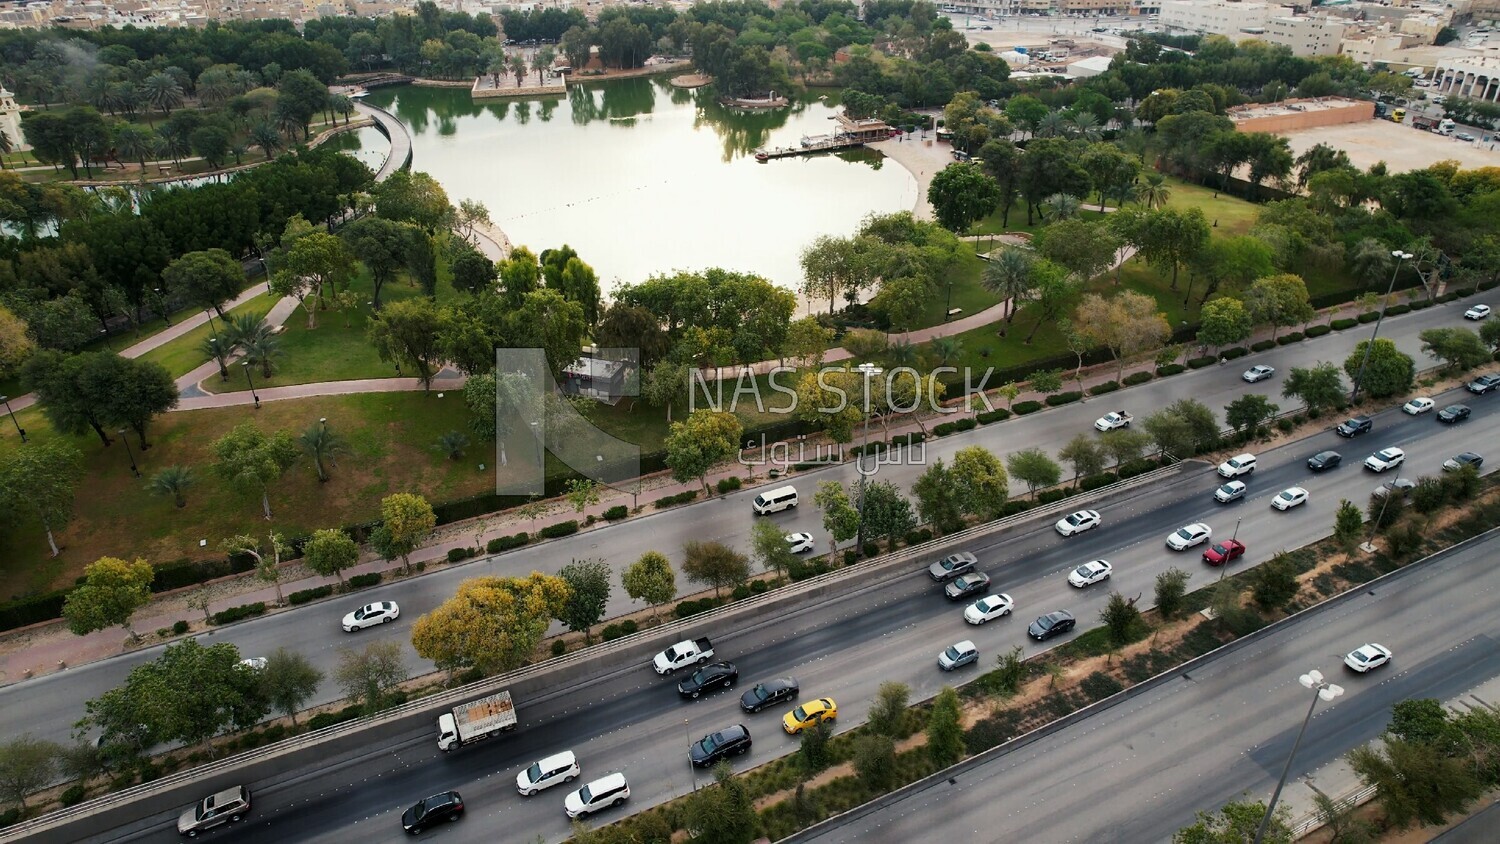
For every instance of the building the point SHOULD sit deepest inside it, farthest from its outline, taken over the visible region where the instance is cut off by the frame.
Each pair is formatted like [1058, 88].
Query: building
[1288, 115]
[1219, 17]
[1476, 77]
[597, 378]
[1305, 36]
[10, 120]
[1091, 66]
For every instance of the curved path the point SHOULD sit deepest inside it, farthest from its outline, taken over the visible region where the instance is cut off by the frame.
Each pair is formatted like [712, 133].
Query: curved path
[394, 130]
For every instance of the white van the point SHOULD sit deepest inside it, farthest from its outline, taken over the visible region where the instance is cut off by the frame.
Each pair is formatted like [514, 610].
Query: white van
[776, 500]
[1240, 464]
[560, 767]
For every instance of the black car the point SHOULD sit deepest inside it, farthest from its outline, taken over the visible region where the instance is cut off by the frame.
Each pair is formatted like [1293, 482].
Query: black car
[438, 808]
[715, 675]
[1354, 427]
[1324, 460]
[1051, 624]
[1459, 461]
[730, 741]
[1453, 413]
[970, 584]
[769, 693]
[1483, 384]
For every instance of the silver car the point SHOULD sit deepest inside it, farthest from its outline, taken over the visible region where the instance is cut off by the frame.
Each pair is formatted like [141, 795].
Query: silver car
[952, 566]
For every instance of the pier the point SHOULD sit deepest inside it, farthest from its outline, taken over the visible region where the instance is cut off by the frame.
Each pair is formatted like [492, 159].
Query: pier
[851, 133]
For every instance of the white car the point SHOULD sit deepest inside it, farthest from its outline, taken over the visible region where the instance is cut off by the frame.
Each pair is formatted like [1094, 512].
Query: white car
[799, 543]
[1240, 464]
[1187, 536]
[1078, 522]
[1418, 406]
[958, 655]
[1367, 657]
[1289, 498]
[1259, 372]
[1386, 458]
[1089, 573]
[254, 663]
[989, 608]
[1230, 491]
[370, 615]
[1477, 312]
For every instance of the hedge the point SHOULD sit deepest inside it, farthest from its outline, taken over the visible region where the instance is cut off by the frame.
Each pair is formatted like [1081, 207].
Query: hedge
[1262, 345]
[1093, 482]
[1199, 363]
[1397, 310]
[943, 429]
[1422, 304]
[567, 528]
[968, 424]
[1024, 407]
[1053, 495]
[616, 513]
[680, 498]
[458, 555]
[690, 608]
[236, 613]
[1369, 316]
[505, 543]
[615, 631]
[728, 485]
[1139, 466]
[32, 610]
[1234, 352]
[1318, 330]
[1137, 378]
[917, 537]
[907, 440]
[1289, 339]
[1345, 323]
[1106, 387]
[1064, 398]
[179, 627]
[999, 414]
[185, 572]
[328, 719]
[1170, 369]
[302, 596]
[360, 581]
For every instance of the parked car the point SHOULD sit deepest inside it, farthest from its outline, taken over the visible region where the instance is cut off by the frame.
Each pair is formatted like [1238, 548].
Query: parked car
[1052, 624]
[1230, 491]
[1368, 657]
[1223, 552]
[769, 693]
[1483, 384]
[1453, 413]
[1324, 460]
[952, 566]
[1078, 522]
[989, 608]
[429, 812]
[809, 714]
[1418, 406]
[730, 741]
[1259, 372]
[1386, 458]
[1089, 573]
[1240, 464]
[972, 583]
[715, 675]
[958, 655]
[1477, 312]
[1289, 498]
[1401, 485]
[545, 773]
[227, 806]
[1189, 535]
[1354, 427]
[799, 543]
[370, 615]
[1458, 461]
[602, 793]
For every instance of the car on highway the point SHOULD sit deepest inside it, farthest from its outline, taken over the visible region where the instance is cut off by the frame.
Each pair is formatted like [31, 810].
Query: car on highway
[1458, 461]
[1483, 384]
[545, 773]
[1368, 657]
[1112, 421]
[730, 741]
[972, 583]
[1289, 498]
[769, 693]
[799, 543]
[1401, 485]
[1453, 413]
[1418, 406]
[1052, 624]
[1259, 372]
[1458, 136]
[1078, 522]
[809, 714]
[1187, 536]
[1095, 571]
[957, 655]
[602, 793]
[989, 608]
[715, 675]
[227, 806]
[1354, 426]
[1223, 552]
[1240, 464]
[370, 615]
[1324, 460]
[1477, 312]
[1230, 491]
[1386, 458]
[431, 811]
[952, 566]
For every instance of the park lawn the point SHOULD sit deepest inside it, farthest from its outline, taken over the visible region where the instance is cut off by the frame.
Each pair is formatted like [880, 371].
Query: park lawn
[1226, 214]
[180, 355]
[961, 287]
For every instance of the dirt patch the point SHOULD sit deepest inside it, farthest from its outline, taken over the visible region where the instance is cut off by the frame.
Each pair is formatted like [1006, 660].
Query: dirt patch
[1402, 148]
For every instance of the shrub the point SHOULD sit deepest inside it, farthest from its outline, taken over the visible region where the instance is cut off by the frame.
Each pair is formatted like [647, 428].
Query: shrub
[73, 794]
[628, 626]
[999, 414]
[611, 633]
[689, 495]
[1317, 330]
[1285, 426]
[907, 440]
[1344, 323]
[1422, 304]
[1061, 399]
[689, 608]
[505, 543]
[567, 528]
[1234, 352]
[943, 429]
[740, 592]
[360, 581]
[917, 537]
[456, 555]
[37, 608]
[1099, 686]
[1136, 378]
[179, 627]
[1139, 466]
[1170, 369]
[1014, 507]
[1106, 387]
[871, 548]
[1369, 316]
[590, 519]
[1093, 482]
[302, 596]
[728, 485]
[759, 587]
[616, 513]
[1199, 363]
[1021, 408]
[966, 424]
[1053, 495]
[328, 719]
[1397, 310]
[240, 612]
[1289, 339]
[851, 556]
[1262, 345]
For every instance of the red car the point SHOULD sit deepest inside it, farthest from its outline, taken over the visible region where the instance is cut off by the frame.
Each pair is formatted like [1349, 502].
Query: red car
[1222, 552]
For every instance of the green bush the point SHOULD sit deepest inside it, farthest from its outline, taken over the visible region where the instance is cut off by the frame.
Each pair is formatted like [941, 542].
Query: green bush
[1093, 482]
[1344, 323]
[1139, 466]
[1137, 378]
[1369, 316]
[567, 528]
[628, 626]
[12, 816]
[1021, 408]
[1053, 495]
[1170, 369]
[560, 647]
[1289, 339]
[689, 608]
[871, 548]
[1013, 507]
[1419, 304]
[1099, 686]
[616, 513]
[302, 596]
[1318, 330]
[1285, 426]
[328, 719]
[907, 440]
[1106, 387]
[1234, 352]
[999, 414]
[917, 537]
[1199, 363]
[728, 485]
[759, 587]
[684, 497]
[740, 592]
[1397, 310]
[185, 572]
[943, 429]
[966, 424]
[457, 555]
[611, 633]
[590, 519]
[1060, 399]
[32, 610]
[73, 794]
[505, 543]
[361, 581]
[179, 627]
[1262, 345]
[240, 612]
[851, 556]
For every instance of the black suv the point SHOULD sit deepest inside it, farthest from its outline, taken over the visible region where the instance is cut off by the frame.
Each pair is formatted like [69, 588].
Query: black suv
[436, 809]
[730, 741]
[1354, 427]
[716, 675]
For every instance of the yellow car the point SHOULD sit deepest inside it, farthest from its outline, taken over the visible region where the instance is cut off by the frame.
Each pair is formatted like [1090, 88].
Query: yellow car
[810, 715]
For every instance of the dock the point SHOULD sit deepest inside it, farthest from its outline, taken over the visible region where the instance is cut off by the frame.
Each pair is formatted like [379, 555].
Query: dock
[851, 133]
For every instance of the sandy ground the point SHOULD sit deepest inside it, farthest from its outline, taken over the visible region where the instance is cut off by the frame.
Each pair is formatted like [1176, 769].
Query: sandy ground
[1401, 147]
[923, 158]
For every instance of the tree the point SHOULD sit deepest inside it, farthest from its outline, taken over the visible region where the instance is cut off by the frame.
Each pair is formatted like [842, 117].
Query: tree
[369, 676]
[113, 589]
[1085, 248]
[960, 195]
[588, 594]
[26, 764]
[702, 441]
[824, 398]
[289, 681]
[1236, 823]
[813, 748]
[408, 333]
[330, 551]
[1388, 372]
[174, 481]
[1489, 332]
[15, 344]
[875, 762]
[1415, 782]
[1171, 588]
[714, 564]
[1008, 274]
[379, 244]
[1248, 412]
[408, 521]
[1052, 290]
[320, 443]
[1459, 349]
[1223, 322]
[902, 301]
[315, 264]
[888, 716]
[1348, 525]
[473, 272]
[1034, 468]
[651, 579]
[980, 483]
[1280, 300]
[1274, 582]
[1087, 455]
[40, 479]
[886, 512]
[210, 278]
[840, 518]
[251, 460]
[492, 624]
[1121, 618]
[945, 732]
[1320, 386]
[1127, 324]
[1124, 445]
[74, 390]
[723, 812]
[937, 499]
[1171, 239]
[771, 549]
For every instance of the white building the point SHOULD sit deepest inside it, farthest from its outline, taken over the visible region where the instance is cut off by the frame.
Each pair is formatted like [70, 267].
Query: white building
[10, 120]
[1218, 17]
[1476, 77]
[1305, 36]
[1091, 66]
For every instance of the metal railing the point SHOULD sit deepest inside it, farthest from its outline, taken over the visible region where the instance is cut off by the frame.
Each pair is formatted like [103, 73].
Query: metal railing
[1316, 819]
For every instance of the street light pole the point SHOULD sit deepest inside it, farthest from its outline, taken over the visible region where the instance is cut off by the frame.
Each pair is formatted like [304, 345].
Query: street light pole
[868, 370]
[248, 380]
[219, 356]
[1370, 346]
[1393, 489]
[125, 438]
[1325, 691]
[19, 429]
[1224, 569]
[161, 303]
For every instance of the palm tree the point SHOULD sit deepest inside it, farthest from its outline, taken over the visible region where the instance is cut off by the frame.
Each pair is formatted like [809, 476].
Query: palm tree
[265, 136]
[174, 146]
[135, 142]
[901, 354]
[1054, 125]
[173, 481]
[945, 350]
[1154, 191]
[126, 96]
[341, 104]
[241, 329]
[452, 444]
[518, 68]
[1060, 206]
[541, 61]
[1085, 125]
[162, 91]
[214, 349]
[320, 443]
[262, 352]
[1008, 275]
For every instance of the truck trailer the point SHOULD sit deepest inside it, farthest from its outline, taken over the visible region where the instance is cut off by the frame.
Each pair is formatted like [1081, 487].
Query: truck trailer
[476, 721]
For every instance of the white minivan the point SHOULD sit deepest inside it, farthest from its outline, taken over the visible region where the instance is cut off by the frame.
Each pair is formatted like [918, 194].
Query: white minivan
[1240, 464]
[557, 768]
[776, 500]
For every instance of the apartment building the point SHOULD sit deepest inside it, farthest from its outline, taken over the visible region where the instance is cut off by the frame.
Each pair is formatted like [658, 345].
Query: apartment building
[1218, 17]
[1305, 36]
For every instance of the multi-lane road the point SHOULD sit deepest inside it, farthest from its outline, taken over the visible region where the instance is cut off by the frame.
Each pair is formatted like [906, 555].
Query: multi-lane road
[633, 721]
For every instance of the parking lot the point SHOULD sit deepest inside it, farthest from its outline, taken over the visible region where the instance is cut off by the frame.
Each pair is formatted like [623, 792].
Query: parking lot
[1402, 148]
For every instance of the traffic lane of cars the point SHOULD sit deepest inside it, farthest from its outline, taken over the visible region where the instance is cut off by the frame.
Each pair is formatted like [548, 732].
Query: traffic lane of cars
[1194, 744]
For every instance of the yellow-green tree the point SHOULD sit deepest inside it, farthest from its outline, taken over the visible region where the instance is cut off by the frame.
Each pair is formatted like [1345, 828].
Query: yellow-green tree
[833, 399]
[703, 440]
[113, 589]
[406, 522]
[493, 624]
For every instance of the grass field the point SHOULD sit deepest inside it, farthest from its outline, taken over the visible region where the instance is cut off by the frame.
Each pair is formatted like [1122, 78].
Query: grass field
[181, 354]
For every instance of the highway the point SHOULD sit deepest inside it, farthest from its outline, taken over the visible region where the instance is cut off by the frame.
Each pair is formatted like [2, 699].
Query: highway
[633, 721]
[32, 706]
[1139, 770]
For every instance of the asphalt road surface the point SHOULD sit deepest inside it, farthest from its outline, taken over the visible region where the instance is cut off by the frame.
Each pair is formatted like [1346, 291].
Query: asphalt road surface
[1141, 769]
[47, 707]
[844, 648]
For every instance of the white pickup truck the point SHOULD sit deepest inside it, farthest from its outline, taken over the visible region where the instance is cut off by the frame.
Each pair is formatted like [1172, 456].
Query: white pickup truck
[1113, 421]
[683, 654]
